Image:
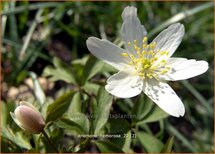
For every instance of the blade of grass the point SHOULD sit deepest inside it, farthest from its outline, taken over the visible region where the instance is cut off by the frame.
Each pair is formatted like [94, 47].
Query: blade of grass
[13, 25]
[31, 56]
[23, 18]
[180, 16]
[29, 34]
[11, 42]
[200, 98]
[13, 30]
[30, 7]
[149, 11]
[182, 138]
[31, 49]
[4, 19]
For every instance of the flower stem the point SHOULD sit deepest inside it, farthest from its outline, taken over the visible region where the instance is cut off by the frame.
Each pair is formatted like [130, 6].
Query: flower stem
[50, 142]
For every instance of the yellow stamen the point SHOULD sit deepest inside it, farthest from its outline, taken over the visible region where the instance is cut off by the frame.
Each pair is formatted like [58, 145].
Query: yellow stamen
[144, 39]
[135, 47]
[146, 66]
[124, 54]
[163, 61]
[150, 52]
[129, 43]
[146, 59]
[144, 46]
[152, 45]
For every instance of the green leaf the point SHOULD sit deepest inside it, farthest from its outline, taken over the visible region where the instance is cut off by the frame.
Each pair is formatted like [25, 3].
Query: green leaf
[127, 143]
[101, 110]
[149, 142]
[38, 91]
[4, 114]
[123, 106]
[17, 138]
[59, 106]
[82, 120]
[155, 114]
[8, 107]
[107, 147]
[91, 87]
[124, 142]
[92, 67]
[79, 124]
[108, 68]
[141, 108]
[81, 61]
[75, 106]
[118, 126]
[168, 146]
[60, 72]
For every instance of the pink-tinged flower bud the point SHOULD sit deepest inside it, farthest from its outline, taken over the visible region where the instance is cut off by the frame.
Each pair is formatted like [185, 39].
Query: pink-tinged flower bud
[28, 118]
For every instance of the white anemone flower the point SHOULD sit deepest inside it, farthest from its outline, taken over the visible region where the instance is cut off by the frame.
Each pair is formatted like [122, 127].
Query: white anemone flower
[146, 67]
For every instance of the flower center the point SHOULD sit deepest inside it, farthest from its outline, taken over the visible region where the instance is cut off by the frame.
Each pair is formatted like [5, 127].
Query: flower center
[148, 62]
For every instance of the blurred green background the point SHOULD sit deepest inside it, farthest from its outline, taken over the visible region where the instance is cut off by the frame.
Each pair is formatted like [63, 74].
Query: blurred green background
[49, 39]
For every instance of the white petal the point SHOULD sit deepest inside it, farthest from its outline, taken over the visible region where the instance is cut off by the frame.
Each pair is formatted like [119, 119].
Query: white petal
[170, 38]
[174, 61]
[16, 121]
[24, 103]
[132, 28]
[184, 69]
[163, 95]
[107, 51]
[124, 84]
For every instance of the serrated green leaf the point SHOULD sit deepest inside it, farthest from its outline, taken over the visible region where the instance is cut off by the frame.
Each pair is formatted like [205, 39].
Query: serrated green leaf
[107, 147]
[59, 106]
[168, 146]
[155, 114]
[141, 108]
[81, 61]
[149, 142]
[58, 63]
[82, 120]
[124, 142]
[16, 137]
[124, 107]
[78, 124]
[92, 67]
[75, 105]
[91, 87]
[127, 143]
[108, 68]
[101, 110]
[60, 72]
[118, 126]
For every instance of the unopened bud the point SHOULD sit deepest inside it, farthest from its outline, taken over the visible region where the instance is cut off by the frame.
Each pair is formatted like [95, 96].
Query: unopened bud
[28, 118]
